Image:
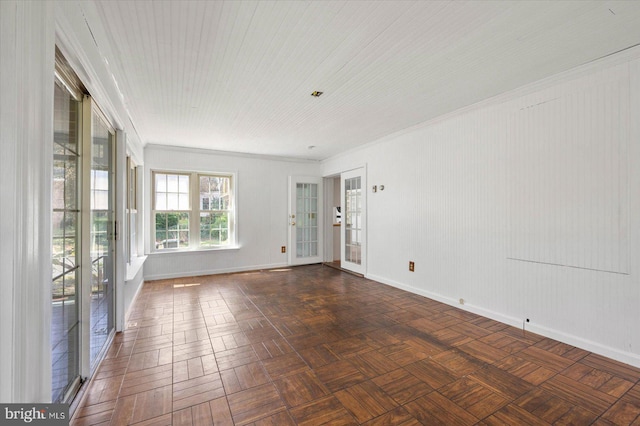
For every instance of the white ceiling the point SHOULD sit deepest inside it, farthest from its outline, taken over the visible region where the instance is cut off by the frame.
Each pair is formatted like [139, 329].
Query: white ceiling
[237, 75]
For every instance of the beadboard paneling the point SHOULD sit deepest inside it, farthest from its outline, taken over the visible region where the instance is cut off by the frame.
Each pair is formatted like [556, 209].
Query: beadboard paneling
[237, 75]
[465, 193]
[567, 174]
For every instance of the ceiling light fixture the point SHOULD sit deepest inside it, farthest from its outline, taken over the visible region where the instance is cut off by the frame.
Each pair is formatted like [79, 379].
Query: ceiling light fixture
[316, 94]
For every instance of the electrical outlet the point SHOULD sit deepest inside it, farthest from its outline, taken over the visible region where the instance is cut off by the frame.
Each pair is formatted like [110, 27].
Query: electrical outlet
[412, 266]
[283, 249]
[462, 301]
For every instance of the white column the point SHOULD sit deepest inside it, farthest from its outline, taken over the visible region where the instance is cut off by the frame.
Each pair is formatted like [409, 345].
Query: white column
[27, 42]
[121, 193]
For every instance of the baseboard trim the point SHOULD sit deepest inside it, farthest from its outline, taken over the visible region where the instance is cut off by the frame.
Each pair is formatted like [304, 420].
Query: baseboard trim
[588, 345]
[214, 271]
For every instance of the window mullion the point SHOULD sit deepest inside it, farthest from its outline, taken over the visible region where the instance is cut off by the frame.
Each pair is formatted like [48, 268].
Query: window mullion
[153, 211]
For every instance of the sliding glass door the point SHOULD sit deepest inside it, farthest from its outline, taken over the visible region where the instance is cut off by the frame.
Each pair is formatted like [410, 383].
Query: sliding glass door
[102, 237]
[83, 237]
[65, 291]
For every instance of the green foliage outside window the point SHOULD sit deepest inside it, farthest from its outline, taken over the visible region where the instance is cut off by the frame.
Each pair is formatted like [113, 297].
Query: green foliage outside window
[172, 230]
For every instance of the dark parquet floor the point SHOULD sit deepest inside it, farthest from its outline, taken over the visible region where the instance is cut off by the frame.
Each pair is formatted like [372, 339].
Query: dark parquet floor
[314, 346]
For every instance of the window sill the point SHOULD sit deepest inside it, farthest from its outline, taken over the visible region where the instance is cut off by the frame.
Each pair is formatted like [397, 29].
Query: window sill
[134, 267]
[192, 251]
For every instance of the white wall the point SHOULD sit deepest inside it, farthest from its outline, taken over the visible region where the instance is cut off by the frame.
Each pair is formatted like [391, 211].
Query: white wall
[526, 206]
[262, 197]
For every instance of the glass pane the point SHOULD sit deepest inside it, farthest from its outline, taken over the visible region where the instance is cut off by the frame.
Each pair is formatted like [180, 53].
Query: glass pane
[65, 120]
[172, 183]
[65, 346]
[307, 218]
[64, 180]
[101, 320]
[183, 184]
[161, 182]
[183, 238]
[161, 202]
[172, 202]
[183, 202]
[172, 230]
[71, 182]
[214, 192]
[352, 220]
[214, 229]
[172, 192]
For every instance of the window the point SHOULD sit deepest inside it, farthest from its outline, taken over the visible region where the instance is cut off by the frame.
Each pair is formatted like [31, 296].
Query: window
[215, 209]
[132, 210]
[192, 211]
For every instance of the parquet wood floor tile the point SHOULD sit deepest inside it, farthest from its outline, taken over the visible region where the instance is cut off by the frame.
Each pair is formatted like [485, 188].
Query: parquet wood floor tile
[312, 345]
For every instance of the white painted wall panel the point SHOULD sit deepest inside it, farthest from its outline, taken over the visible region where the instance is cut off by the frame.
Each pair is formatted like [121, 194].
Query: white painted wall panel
[262, 220]
[555, 183]
[26, 129]
[567, 174]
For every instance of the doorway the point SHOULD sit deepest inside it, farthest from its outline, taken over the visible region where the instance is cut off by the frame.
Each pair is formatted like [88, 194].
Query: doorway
[305, 220]
[353, 229]
[345, 223]
[332, 222]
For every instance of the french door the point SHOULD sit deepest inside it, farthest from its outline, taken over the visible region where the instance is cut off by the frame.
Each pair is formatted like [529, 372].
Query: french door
[353, 230]
[305, 220]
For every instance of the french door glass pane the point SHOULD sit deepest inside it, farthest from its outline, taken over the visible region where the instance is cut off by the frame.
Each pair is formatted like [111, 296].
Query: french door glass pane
[352, 220]
[65, 342]
[307, 220]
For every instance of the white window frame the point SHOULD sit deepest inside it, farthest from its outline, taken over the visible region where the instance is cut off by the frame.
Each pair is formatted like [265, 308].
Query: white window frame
[132, 247]
[194, 211]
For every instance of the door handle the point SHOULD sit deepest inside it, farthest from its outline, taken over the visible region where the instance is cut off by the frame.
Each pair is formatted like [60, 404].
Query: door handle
[293, 224]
